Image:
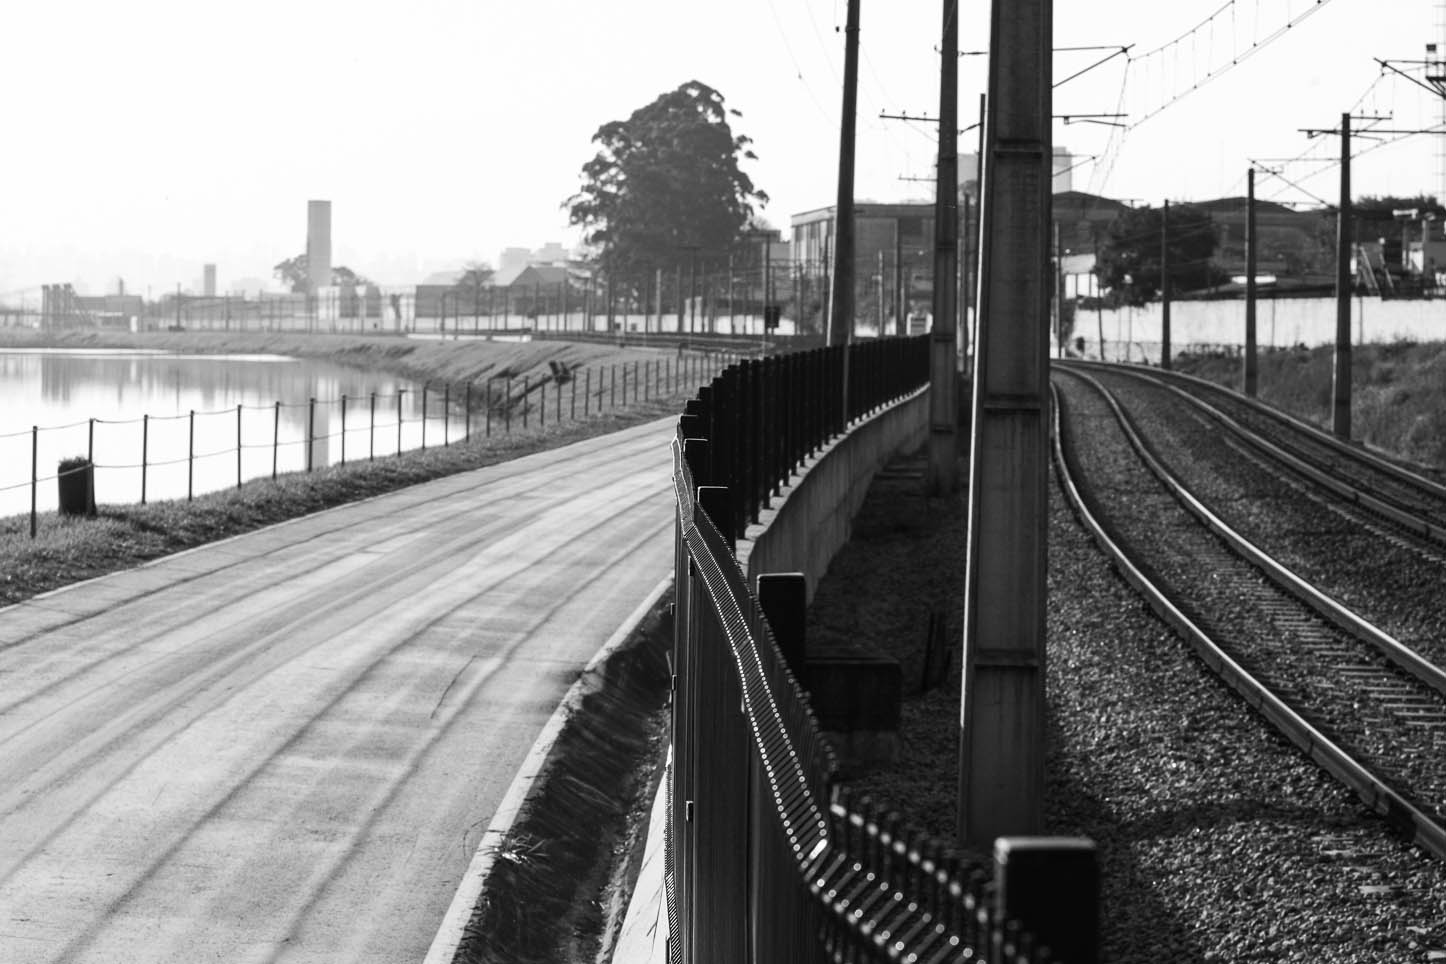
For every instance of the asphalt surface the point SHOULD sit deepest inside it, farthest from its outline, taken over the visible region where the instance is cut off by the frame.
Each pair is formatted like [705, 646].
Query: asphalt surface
[285, 746]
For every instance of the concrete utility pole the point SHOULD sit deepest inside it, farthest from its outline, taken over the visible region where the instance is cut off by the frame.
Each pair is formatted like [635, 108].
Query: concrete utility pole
[943, 475]
[1165, 286]
[901, 301]
[1341, 380]
[1252, 255]
[841, 319]
[1001, 771]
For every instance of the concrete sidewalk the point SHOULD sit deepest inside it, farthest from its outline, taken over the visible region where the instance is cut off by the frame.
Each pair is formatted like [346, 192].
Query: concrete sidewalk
[644, 937]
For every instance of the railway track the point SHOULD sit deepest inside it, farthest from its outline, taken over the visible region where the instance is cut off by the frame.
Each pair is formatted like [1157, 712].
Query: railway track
[1388, 489]
[1366, 706]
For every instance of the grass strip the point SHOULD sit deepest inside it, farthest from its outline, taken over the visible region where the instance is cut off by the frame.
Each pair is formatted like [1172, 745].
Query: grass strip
[69, 549]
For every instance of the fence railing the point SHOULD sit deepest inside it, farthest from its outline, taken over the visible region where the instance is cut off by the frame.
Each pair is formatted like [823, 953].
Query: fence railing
[768, 858]
[205, 451]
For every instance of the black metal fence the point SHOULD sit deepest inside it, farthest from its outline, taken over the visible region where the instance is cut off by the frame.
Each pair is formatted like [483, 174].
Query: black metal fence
[768, 859]
[189, 453]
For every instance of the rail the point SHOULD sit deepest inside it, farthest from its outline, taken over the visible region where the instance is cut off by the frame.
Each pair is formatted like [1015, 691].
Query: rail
[768, 857]
[1376, 792]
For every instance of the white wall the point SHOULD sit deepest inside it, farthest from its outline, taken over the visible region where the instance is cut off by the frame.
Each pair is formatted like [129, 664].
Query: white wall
[1282, 322]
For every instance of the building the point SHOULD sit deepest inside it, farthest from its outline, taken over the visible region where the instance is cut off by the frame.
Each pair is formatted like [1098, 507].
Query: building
[318, 244]
[893, 263]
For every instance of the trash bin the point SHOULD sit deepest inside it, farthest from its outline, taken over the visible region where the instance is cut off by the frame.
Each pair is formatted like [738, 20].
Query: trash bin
[76, 477]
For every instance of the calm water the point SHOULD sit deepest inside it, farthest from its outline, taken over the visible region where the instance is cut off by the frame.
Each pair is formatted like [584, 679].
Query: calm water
[143, 401]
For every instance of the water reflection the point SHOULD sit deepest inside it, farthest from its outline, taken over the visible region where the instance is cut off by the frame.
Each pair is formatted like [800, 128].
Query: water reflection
[130, 409]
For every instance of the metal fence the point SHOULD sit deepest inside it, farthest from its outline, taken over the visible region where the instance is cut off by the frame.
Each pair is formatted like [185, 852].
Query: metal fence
[768, 858]
[181, 455]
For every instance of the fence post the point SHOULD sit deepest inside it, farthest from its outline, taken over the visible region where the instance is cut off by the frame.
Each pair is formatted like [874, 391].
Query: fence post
[526, 390]
[487, 408]
[190, 455]
[1051, 886]
[446, 414]
[35, 473]
[310, 433]
[587, 395]
[507, 407]
[635, 383]
[372, 429]
[542, 403]
[613, 386]
[238, 446]
[467, 417]
[783, 597]
[343, 428]
[145, 444]
[572, 404]
[275, 439]
[424, 406]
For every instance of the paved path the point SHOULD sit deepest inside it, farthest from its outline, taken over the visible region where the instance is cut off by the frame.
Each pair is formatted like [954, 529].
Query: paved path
[285, 746]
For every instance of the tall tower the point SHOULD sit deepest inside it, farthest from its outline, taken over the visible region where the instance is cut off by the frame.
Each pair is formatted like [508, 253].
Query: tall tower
[318, 244]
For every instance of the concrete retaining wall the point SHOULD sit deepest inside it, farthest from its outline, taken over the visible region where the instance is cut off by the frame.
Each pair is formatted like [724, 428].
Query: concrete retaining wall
[813, 518]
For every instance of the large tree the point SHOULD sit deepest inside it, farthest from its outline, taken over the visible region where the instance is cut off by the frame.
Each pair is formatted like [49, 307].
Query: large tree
[666, 184]
[1129, 254]
[293, 272]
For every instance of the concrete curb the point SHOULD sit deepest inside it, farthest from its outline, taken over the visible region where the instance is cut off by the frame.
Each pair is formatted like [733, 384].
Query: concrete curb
[469, 889]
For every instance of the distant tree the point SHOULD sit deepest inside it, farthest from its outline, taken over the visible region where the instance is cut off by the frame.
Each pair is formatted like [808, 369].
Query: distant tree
[1129, 258]
[293, 273]
[1371, 207]
[665, 184]
[477, 276]
[468, 288]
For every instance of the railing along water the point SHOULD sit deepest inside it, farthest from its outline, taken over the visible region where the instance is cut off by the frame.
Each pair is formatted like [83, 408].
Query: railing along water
[250, 441]
[768, 858]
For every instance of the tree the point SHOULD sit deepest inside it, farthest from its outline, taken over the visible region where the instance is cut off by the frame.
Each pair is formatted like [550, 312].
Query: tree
[1129, 254]
[294, 274]
[468, 288]
[478, 275]
[665, 184]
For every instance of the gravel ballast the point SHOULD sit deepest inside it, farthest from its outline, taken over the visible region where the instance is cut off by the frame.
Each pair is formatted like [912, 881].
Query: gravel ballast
[1218, 839]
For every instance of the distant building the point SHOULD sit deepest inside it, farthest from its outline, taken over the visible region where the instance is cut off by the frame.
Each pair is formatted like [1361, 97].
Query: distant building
[208, 280]
[1064, 164]
[893, 260]
[512, 261]
[318, 244]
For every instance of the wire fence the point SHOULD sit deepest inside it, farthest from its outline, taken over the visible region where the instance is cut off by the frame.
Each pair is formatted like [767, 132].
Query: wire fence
[184, 455]
[768, 857]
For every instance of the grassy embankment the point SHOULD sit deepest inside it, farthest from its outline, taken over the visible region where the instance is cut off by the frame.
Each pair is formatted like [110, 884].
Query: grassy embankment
[69, 549]
[1398, 393]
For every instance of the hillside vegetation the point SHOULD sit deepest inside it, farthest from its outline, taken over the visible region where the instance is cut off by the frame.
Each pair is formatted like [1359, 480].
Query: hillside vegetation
[1398, 389]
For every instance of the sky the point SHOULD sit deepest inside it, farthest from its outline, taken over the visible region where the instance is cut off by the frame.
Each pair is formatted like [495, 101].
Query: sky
[147, 138]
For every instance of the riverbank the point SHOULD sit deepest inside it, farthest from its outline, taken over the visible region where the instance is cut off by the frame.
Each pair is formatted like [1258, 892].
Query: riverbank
[70, 549]
[420, 359]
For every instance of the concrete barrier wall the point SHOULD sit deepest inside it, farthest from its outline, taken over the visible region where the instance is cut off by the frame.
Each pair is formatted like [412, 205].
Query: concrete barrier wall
[1279, 322]
[813, 518]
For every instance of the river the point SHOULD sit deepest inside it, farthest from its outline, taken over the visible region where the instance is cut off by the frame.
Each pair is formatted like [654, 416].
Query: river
[182, 416]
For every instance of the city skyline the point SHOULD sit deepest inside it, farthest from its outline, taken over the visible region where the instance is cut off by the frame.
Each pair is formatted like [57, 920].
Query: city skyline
[444, 132]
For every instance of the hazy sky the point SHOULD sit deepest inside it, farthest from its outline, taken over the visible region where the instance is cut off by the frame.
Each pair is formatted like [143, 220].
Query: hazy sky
[145, 138]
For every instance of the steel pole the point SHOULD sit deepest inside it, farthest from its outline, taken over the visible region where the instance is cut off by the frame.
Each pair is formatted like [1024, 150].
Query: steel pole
[1252, 255]
[943, 476]
[1341, 373]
